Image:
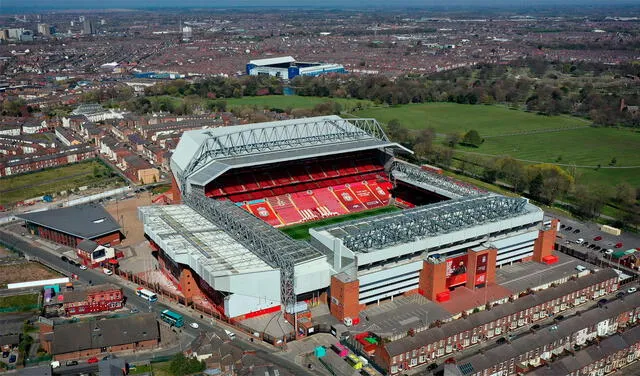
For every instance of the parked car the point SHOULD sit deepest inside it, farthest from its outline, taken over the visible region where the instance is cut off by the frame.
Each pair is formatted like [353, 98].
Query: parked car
[631, 290]
[602, 301]
[580, 241]
[559, 317]
[535, 326]
[107, 271]
[608, 251]
[64, 258]
[620, 294]
[618, 245]
[597, 238]
[12, 358]
[569, 228]
[92, 360]
[70, 363]
[501, 340]
[576, 231]
[194, 325]
[55, 364]
[83, 267]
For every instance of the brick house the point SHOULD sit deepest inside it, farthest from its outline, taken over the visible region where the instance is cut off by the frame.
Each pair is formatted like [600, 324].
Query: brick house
[436, 342]
[99, 298]
[96, 338]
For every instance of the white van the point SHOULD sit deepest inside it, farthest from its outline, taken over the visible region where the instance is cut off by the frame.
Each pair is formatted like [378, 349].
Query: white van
[230, 334]
[580, 241]
[107, 271]
[55, 364]
[580, 268]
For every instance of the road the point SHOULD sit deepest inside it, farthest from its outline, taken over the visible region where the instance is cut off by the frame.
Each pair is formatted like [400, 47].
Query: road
[262, 351]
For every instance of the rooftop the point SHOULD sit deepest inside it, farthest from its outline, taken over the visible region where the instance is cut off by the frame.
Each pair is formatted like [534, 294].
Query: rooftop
[83, 221]
[484, 317]
[374, 233]
[270, 142]
[184, 232]
[104, 333]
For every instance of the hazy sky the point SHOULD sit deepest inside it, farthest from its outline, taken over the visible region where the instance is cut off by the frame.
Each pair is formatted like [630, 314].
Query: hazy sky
[9, 5]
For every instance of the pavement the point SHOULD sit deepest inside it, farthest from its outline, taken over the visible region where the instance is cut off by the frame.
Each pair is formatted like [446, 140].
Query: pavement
[263, 351]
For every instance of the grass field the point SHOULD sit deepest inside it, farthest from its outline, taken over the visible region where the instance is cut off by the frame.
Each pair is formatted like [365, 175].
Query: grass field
[18, 301]
[292, 101]
[458, 118]
[580, 147]
[301, 231]
[36, 184]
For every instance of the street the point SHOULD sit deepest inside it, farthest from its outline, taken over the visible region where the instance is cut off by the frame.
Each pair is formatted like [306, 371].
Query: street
[262, 351]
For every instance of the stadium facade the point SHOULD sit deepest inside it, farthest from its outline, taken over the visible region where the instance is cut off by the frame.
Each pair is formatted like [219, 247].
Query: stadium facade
[287, 68]
[239, 184]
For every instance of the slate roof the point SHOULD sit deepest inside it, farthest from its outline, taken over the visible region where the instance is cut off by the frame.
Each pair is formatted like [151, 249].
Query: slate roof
[484, 317]
[83, 221]
[104, 333]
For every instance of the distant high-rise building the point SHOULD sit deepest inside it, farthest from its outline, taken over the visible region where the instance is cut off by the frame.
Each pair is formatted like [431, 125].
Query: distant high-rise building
[88, 27]
[81, 18]
[103, 22]
[187, 33]
[43, 29]
[72, 23]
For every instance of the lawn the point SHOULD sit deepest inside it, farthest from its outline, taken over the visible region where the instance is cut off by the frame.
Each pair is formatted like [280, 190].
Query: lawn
[459, 118]
[161, 369]
[293, 101]
[37, 184]
[580, 147]
[301, 231]
[18, 301]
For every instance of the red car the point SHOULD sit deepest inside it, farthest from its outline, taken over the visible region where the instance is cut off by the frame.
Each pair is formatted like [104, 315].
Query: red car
[597, 238]
[92, 360]
[619, 245]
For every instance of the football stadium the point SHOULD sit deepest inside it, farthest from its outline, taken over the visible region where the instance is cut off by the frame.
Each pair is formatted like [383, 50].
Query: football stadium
[239, 186]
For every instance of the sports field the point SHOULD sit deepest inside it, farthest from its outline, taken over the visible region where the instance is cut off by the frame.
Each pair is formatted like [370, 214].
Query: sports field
[459, 118]
[301, 231]
[36, 184]
[293, 101]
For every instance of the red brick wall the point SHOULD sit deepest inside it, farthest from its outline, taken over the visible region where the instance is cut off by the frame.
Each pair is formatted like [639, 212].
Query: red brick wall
[175, 191]
[188, 284]
[545, 242]
[112, 239]
[344, 301]
[143, 345]
[432, 279]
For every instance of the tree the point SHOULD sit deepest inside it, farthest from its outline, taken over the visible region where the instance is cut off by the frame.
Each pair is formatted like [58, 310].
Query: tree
[452, 140]
[181, 365]
[396, 131]
[555, 182]
[423, 145]
[536, 186]
[513, 172]
[589, 200]
[625, 194]
[472, 138]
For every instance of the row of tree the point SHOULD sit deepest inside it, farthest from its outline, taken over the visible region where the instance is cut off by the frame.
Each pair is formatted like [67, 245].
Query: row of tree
[546, 183]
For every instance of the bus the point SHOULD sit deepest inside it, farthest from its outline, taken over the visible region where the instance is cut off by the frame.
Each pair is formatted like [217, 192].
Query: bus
[172, 318]
[147, 295]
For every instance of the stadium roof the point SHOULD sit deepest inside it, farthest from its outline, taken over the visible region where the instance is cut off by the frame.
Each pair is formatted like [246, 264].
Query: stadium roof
[188, 237]
[440, 184]
[273, 60]
[83, 221]
[374, 233]
[203, 154]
